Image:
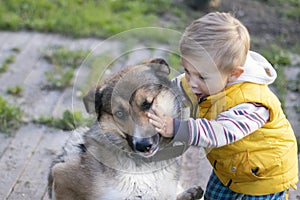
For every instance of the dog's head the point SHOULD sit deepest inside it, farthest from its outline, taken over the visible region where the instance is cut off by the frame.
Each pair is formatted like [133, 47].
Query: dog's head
[122, 101]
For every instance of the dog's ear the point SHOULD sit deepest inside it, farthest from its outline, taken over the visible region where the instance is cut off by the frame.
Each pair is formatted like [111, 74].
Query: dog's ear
[89, 100]
[93, 100]
[159, 64]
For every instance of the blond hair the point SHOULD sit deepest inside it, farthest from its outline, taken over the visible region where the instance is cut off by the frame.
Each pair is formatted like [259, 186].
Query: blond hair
[218, 35]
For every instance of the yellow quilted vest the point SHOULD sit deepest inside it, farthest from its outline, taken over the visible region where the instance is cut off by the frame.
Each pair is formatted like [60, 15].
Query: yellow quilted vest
[263, 162]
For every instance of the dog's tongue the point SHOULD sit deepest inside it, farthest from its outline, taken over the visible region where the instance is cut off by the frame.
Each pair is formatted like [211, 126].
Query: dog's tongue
[151, 152]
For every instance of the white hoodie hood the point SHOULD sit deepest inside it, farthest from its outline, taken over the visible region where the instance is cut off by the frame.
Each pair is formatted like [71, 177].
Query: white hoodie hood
[257, 70]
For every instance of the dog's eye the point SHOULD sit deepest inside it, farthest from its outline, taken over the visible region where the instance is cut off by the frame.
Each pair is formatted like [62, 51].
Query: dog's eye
[146, 105]
[119, 114]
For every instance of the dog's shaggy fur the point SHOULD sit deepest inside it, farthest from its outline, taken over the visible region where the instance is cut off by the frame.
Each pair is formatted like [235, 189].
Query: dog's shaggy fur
[121, 156]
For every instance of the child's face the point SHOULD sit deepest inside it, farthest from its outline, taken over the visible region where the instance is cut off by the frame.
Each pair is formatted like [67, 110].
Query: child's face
[203, 76]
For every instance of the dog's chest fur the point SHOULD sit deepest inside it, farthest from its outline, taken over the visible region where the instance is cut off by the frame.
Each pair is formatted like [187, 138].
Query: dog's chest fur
[149, 185]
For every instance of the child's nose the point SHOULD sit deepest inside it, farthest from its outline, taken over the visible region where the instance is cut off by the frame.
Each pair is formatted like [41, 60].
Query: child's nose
[192, 82]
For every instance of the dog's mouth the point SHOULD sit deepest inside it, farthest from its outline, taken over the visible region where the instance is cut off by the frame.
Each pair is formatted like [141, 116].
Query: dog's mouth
[145, 147]
[149, 153]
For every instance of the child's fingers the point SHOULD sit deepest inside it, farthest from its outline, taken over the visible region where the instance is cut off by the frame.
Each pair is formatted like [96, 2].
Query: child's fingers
[156, 113]
[161, 131]
[157, 124]
[154, 117]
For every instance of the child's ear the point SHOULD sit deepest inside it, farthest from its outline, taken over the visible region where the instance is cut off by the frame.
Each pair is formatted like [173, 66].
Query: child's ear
[235, 74]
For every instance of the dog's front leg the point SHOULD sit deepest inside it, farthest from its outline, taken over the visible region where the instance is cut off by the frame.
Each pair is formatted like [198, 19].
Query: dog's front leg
[192, 193]
[64, 176]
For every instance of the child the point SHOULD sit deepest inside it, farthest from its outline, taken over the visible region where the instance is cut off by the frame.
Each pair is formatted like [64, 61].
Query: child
[253, 150]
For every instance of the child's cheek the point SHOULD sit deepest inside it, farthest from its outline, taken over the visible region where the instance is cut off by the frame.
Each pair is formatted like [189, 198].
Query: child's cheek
[215, 86]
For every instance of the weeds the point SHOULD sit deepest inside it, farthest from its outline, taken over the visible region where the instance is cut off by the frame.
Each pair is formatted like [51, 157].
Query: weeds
[174, 60]
[5, 64]
[294, 85]
[297, 109]
[62, 56]
[279, 59]
[3, 68]
[69, 121]
[65, 62]
[10, 116]
[15, 91]
[276, 56]
[16, 49]
[59, 80]
[290, 8]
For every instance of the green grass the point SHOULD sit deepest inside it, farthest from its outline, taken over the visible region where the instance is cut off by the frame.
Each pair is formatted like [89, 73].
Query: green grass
[59, 79]
[6, 63]
[10, 116]
[15, 91]
[289, 8]
[297, 109]
[59, 55]
[16, 49]
[276, 55]
[84, 18]
[65, 62]
[279, 59]
[281, 85]
[69, 121]
[294, 85]
[174, 62]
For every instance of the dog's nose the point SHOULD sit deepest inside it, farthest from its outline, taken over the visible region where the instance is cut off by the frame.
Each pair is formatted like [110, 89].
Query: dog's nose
[144, 145]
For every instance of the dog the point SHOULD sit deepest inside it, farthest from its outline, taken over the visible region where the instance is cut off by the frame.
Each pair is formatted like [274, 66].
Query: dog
[121, 156]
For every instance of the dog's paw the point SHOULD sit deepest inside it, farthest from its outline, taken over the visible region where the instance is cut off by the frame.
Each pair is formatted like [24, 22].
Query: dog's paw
[192, 193]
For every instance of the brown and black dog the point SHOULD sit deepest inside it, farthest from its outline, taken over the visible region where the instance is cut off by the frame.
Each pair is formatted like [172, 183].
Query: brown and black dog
[121, 156]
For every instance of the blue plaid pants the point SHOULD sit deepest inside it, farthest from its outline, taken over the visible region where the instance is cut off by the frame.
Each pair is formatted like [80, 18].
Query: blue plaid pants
[215, 190]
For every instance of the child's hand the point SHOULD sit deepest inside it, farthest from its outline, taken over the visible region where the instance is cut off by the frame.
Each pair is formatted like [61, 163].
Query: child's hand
[163, 124]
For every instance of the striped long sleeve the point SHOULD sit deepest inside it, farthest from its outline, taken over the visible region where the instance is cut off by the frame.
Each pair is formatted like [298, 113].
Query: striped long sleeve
[230, 126]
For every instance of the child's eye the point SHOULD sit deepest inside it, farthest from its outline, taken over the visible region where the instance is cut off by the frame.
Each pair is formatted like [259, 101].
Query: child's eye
[186, 71]
[202, 78]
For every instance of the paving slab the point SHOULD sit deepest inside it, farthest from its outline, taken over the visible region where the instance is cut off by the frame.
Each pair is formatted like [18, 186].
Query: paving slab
[32, 184]
[17, 157]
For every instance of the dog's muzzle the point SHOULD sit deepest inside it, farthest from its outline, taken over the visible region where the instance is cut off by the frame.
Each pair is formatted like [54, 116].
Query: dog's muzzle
[145, 147]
